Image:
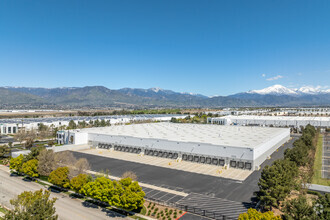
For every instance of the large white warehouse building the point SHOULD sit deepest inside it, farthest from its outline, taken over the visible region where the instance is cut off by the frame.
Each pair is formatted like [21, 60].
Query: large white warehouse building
[233, 146]
[276, 121]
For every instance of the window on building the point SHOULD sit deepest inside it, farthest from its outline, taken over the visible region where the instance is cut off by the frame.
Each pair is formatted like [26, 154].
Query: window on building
[14, 130]
[9, 130]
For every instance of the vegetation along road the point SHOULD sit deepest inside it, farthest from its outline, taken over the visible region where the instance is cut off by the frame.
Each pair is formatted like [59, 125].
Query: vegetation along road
[66, 207]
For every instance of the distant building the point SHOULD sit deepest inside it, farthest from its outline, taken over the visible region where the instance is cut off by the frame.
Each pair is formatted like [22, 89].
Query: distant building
[8, 128]
[271, 121]
[11, 126]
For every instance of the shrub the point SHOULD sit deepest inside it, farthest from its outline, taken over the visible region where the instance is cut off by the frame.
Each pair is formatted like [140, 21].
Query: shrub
[60, 177]
[30, 168]
[16, 163]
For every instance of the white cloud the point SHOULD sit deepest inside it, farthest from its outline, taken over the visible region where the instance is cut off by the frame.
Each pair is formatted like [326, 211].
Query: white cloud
[274, 78]
[263, 75]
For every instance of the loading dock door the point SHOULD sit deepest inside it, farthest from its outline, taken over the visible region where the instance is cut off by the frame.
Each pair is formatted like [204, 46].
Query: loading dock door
[215, 161]
[221, 162]
[202, 159]
[241, 165]
[248, 166]
[232, 163]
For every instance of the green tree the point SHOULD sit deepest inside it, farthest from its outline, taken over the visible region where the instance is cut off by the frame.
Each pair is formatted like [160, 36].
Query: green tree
[76, 183]
[297, 154]
[253, 214]
[16, 163]
[298, 209]
[97, 123]
[72, 125]
[322, 207]
[60, 177]
[174, 120]
[42, 127]
[30, 168]
[32, 205]
[129, 195]
[276, 182]
[4, 151]
[34, 153]
[103, 123]
[101, 188]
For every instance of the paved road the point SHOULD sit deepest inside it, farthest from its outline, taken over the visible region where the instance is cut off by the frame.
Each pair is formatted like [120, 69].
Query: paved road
[185, 181]
[66, 208]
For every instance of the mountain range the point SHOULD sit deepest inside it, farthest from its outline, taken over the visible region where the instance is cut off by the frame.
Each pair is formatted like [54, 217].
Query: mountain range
[99, 96]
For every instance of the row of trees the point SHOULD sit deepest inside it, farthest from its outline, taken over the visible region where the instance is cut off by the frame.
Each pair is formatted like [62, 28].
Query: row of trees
[42, 162]
[84, 124]
[292, 173]
[199, 118]
[65, 171]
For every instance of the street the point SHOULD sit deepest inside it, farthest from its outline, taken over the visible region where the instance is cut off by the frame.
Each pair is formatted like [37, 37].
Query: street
[66, 208]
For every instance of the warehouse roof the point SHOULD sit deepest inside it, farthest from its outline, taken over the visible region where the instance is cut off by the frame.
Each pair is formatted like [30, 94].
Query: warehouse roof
[277, 118]
[250, 137]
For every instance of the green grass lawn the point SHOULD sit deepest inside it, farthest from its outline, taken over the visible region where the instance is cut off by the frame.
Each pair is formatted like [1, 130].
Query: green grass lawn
[317, 178]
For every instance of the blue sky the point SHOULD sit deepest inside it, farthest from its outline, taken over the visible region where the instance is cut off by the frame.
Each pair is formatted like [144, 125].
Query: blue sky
[215, 47]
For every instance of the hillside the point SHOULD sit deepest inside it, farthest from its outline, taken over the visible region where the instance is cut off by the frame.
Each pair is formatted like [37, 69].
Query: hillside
[99, 96]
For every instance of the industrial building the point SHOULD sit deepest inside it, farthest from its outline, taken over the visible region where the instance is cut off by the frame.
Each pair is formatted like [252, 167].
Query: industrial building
[231, 146]
[12, 125]
[275, 121]
[8, 128]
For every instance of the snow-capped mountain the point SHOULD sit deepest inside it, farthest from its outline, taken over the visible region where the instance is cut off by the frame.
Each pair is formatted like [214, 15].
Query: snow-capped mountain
[274, 90]
[312, 90]
[282, 90]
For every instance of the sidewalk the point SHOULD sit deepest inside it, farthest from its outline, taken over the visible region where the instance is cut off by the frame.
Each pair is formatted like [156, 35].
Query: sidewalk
[319, 188]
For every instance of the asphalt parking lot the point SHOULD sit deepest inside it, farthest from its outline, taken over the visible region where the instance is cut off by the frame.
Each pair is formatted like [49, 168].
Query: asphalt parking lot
[185, 181]
[206, 169]
[326, 156]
